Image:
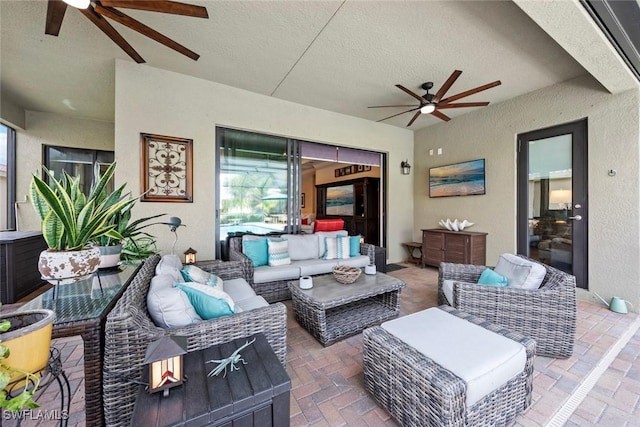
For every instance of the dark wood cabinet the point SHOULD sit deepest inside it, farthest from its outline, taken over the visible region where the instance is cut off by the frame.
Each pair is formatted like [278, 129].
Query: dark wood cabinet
[19, 253]
[364, 217]
[256, 394]
[461, 247]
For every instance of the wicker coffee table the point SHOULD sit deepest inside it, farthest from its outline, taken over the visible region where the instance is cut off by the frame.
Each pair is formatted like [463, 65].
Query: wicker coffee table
[331, 311]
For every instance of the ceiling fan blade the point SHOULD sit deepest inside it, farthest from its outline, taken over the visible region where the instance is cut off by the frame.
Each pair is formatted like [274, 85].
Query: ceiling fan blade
[388, 106]
[111, 32]
[138, 26]
[441, 116]
[413, 109]
[162, 6]
[471, 92]
[445, 87]
[462, 105]
[415, 95]
[55, 13]
[415, 116]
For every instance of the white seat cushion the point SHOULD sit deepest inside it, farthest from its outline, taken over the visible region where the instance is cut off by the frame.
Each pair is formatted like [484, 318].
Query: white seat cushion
[520, 272]
[481, 358]
[266, 273]
[238, 289]
[356, 261]
[313, 267]
[255, 301]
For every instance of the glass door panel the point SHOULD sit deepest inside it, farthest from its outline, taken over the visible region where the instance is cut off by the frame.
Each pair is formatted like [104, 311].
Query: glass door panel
[550, 201]
[252, 183]
[552, 198]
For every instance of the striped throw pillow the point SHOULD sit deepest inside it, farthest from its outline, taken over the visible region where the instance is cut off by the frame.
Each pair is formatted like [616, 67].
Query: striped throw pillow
[336, 247]
[278, 252]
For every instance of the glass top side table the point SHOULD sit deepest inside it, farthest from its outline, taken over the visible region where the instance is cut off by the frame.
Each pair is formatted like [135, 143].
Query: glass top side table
[81, 309]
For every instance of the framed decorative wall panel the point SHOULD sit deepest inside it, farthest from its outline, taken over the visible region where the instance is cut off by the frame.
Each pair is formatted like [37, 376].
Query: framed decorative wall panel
[167, 168]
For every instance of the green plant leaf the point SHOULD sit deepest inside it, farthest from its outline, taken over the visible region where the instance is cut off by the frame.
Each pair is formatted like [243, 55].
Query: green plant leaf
[52, 230]
[5, 325]
[4, 351]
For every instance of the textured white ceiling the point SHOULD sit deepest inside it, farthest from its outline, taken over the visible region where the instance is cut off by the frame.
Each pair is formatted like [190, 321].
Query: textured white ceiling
[334, 55]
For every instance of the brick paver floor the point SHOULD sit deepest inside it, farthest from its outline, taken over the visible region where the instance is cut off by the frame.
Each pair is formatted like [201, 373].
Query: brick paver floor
[327, 382]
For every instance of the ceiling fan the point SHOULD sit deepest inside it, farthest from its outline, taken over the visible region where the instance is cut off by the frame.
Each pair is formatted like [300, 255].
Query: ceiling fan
[432, 103]
[101, 9]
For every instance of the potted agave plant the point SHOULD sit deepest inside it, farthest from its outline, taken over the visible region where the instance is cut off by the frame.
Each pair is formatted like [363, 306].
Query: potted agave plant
[24, 351]
[71, 222]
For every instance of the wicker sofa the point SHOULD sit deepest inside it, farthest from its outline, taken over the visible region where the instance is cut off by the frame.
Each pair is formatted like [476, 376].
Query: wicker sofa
[129, 329]
[278, 290]
[546, 314]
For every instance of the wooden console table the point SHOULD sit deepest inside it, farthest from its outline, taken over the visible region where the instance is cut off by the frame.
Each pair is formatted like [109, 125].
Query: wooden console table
[461, 247]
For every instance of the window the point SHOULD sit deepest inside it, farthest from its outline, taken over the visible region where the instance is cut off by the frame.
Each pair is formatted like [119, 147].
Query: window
[78, 162]
[7, 177]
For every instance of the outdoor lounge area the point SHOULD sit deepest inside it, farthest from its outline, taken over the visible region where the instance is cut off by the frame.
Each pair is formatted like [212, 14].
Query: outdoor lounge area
[328, 384]
[382, 212]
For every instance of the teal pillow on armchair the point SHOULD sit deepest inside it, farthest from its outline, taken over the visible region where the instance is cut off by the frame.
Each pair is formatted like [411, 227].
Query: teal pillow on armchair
[491, 278]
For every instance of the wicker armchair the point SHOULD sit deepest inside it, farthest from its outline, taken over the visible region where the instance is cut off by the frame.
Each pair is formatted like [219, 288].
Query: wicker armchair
[129, 330]
[547, 314]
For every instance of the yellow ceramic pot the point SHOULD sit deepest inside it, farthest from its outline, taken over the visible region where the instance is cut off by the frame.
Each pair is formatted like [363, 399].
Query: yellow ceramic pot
[28, 339]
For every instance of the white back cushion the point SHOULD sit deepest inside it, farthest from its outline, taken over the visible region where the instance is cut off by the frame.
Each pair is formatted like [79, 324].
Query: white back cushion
[520, 273]
[302, 246]
[170, 264]
[169, 307]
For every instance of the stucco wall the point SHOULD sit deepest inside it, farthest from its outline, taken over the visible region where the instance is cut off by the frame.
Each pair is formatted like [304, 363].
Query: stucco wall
[51, 129]
[165, 103]
[491, 132]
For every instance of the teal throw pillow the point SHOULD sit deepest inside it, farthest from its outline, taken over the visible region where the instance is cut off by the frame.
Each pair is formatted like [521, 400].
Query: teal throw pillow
[208, 302]
[191, 273]
[491, 278]
[257, 251]
[354, 245]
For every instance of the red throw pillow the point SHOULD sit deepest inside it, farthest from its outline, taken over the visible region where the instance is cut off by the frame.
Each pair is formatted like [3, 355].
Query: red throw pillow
[328, 225]
[305, 221]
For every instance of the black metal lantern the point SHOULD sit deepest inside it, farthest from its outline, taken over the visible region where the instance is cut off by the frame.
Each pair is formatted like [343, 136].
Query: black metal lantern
[190, 256]
[164, 357]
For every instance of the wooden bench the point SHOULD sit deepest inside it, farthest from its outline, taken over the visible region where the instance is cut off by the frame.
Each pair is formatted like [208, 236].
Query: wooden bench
[411, 248]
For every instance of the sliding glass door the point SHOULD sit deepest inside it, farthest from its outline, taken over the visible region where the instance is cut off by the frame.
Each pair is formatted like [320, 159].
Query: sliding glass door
[260, 187]
[258, 181]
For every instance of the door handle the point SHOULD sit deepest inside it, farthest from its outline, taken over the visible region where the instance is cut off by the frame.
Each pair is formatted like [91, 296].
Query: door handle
[576, 218]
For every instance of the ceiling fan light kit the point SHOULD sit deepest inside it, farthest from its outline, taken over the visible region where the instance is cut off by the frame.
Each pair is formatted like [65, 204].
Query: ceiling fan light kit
[432, 103]
[102, 9]
[428, 109]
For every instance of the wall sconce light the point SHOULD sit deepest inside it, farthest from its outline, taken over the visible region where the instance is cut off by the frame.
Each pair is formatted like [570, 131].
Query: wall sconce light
[190, 256]
[174, 222]
[406, 167]
[164, 357]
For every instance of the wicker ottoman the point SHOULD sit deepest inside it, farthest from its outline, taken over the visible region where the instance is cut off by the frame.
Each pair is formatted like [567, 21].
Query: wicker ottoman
[496, 364]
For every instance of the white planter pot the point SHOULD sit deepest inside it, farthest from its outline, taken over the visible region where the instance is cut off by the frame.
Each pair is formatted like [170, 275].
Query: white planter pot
[109, 255]
[63, 267]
